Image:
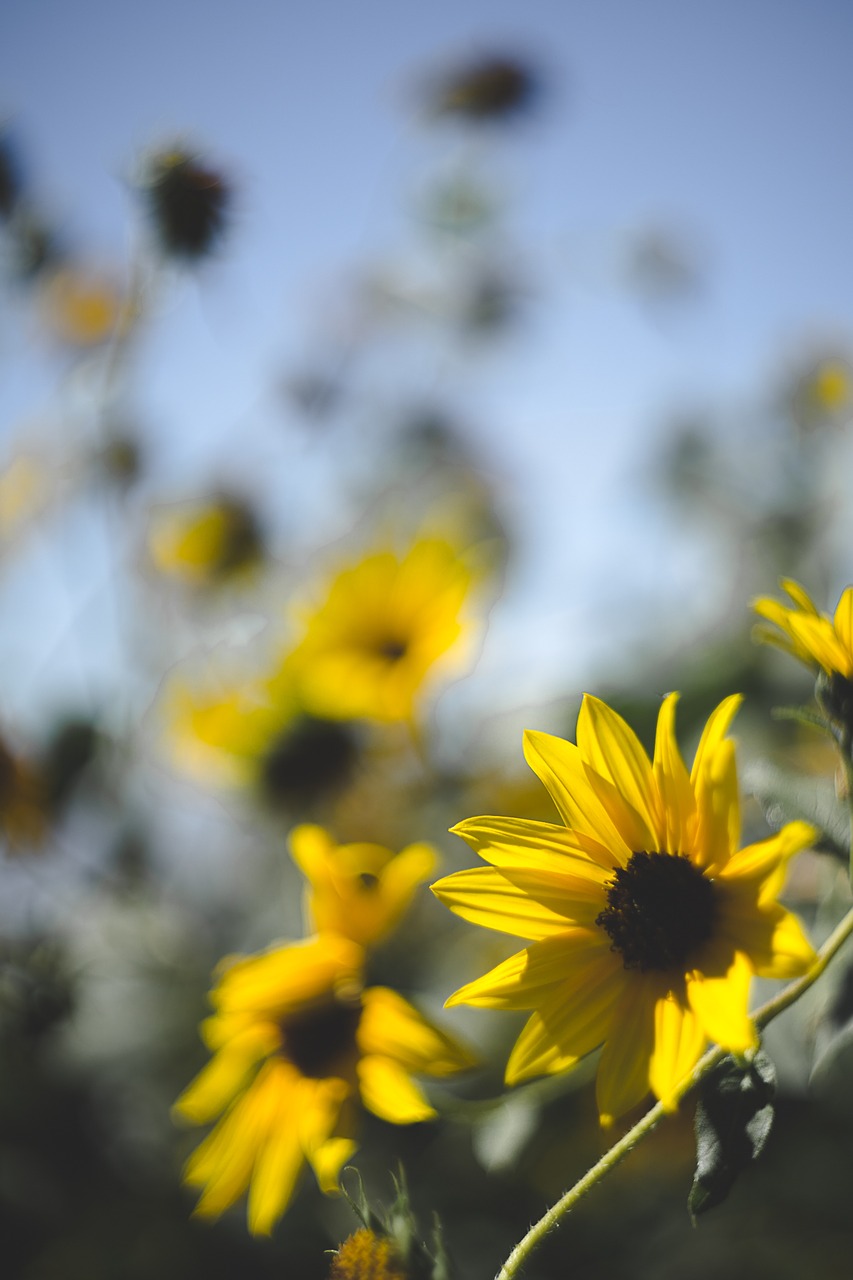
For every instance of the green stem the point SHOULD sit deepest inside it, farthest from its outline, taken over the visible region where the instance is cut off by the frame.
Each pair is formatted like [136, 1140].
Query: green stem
[762, 1016]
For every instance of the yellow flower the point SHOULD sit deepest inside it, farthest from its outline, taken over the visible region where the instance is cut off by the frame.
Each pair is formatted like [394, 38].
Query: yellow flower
[646, 920]
[82, 306]
[254, 735]
[813, 637]
[360, 891]
[296, 1042]
[205, 543]
[385, 626]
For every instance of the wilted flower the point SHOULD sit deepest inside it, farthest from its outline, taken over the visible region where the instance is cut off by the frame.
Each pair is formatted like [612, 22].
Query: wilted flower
[188, 201]
[358, 890]
[297, 1042]
[646, 919]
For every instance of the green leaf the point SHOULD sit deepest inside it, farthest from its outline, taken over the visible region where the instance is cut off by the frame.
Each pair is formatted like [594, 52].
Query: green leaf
[787, 797]
[733, 1121]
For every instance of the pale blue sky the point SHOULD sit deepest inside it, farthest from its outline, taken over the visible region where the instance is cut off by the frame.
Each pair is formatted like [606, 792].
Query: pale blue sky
[731, 120]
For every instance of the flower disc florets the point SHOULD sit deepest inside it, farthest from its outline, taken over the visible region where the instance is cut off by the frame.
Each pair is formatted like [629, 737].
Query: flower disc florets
[659, 909]
[320, 1040]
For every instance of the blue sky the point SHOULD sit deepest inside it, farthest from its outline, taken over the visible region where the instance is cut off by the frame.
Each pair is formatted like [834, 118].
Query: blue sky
[730, 121]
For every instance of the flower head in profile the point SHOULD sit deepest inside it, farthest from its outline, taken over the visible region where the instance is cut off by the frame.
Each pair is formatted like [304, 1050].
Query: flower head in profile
[297, 1043]
[825, 644]
[360, 891]
[382, 631]
[645, 918]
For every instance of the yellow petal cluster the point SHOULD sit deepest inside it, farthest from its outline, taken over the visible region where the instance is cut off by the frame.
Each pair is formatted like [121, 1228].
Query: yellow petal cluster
[360, 891]
[809, 635]
[645, 918]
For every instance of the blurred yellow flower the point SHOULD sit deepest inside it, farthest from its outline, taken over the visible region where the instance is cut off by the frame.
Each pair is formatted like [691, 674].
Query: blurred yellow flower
[646, 920]
[81, 306]
[386, 626]
[360, 891]
[812, 637]
[205, 543]
[297, 1042]
[255, 735]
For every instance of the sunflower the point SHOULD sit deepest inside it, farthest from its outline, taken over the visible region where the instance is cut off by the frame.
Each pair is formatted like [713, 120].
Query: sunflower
[646, 920]
[817, 640]
[382, 630]
[360, 891]
[296, 1041]
[255, 735]
[204, 544]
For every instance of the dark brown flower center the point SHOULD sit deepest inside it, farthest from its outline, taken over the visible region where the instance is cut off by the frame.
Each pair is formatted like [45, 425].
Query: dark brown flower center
[393, 650]
[320, 1041]
[660, 909]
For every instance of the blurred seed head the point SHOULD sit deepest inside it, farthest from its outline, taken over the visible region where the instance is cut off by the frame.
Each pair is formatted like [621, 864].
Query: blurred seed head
[489, 88]
[187, 200]
[312, 758]
[11, 182]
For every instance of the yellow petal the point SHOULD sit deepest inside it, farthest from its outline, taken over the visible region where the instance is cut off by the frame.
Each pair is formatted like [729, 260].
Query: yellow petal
[798, 594]
[512, 842]
[321, 1104]
[673, 781]
[764, 864]
[223, 1077]
[223, 1163]
[818, 638]
[286, 978]
[614, 752]
[714, 732]
[770, 936]
[328, 1160]
[393, 1028]
[389, 1092]
[680, 1039]
[570, 961]
[843, 621]
[310, 846]
[572, 1021]
[279, 1158]
[721, 1003]
[560, 766]
[623, 1072]
[525, 905]
[717, 808]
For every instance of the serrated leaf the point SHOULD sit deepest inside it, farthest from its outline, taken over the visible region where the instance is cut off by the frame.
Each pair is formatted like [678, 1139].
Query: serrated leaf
[787, 797]
[733, 1121]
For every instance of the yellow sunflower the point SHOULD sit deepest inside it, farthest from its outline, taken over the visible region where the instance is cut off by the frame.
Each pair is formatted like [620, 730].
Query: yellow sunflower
[204, 544]
[255, 735]
[646, 920]
[385, 627]
[812, 637]
[360, 891]
[297, 1041]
